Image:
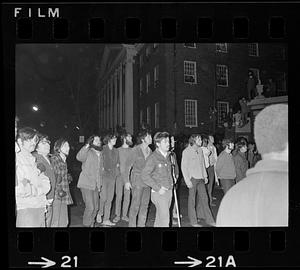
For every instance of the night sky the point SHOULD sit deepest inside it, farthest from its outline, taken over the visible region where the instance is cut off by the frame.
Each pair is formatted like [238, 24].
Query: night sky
[61, 80]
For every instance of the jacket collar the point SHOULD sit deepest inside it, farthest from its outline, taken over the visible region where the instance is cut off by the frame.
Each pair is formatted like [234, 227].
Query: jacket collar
[158, 153]
[269, 165]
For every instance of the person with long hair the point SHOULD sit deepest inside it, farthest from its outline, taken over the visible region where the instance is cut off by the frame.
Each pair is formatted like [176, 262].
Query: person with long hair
[140, 191]
[125, 151]
[62, 197]
[90, 178]
[32, 185]
[195, 177]
[225, 166]
[42, 155]
[111, 170]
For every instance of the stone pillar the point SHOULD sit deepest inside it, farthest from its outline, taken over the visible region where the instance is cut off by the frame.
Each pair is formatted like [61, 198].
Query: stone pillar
[120, 93]
[115, 99]
[130, 53]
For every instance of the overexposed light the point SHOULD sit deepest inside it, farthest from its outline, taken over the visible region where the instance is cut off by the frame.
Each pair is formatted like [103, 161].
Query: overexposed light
[35, 108]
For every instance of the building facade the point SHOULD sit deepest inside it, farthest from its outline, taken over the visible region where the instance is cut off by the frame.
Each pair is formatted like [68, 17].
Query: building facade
[115, 84]
[177, 86]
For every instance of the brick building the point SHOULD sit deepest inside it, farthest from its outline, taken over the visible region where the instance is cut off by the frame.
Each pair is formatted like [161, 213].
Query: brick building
[176, 84]
[173, 86]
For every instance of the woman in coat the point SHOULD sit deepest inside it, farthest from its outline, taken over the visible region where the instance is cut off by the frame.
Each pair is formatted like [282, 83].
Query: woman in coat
[90, 179]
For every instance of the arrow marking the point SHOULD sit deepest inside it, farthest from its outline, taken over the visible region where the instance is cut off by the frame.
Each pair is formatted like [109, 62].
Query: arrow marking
[194, 262]
[45, 264]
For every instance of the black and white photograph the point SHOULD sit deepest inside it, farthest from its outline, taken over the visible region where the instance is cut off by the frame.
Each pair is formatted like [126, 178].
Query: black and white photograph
[151, 135]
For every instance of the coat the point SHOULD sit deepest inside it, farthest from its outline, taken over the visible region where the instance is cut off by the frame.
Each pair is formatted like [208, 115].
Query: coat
[134, 166]
[157, 172]
[225, 168]
[111, 163]
[92, 169]
[260, 200]
[49, 173]
[241, 165]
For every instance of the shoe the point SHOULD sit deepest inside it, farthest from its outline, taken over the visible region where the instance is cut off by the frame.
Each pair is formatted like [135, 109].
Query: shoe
[99, 219]
[108, 223]
[175, 216]
[197, 225]
[214, 198]
[125, 218]
[116, 219]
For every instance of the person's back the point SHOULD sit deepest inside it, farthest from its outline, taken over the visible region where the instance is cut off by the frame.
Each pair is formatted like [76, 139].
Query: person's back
[261, 199]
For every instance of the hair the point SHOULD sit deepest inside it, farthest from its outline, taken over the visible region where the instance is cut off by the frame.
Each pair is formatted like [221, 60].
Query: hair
[226, 142]
[240, 144]
[241, 139]
[205, 140]
[192, 139]
[92, 137]
[124, 135]
[159, 136]
[58, 144]
[41, 137]
[271, 129]
[26, 134]
[108, 137]
[142, 135]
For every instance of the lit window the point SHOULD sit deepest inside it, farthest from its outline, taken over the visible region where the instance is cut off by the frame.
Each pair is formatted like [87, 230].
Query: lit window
[190, 113]
[223, 109]
[221, 47]
[253, 49]
[222, 75]
[189, 45]
[156, 76]
[190, 72]
[156, 112]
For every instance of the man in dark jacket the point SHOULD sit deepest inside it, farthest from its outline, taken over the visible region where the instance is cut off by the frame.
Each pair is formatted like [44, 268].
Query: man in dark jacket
[140, 192]
[111, 170]
[157, 174]
[261, 199]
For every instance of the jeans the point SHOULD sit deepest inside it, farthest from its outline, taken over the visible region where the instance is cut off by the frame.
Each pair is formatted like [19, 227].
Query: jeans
[211, 182]
[106, 197]
[49, 215]
[91, 201]
[162, 204]
[60, 214]
[226, 184]
[139, 206]
[120, 190]
[203, 210]
[31, 217]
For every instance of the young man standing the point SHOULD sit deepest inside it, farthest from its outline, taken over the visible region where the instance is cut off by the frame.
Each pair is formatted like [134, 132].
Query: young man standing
[124, 153]
[157, 174]
[111, 170]
[140, 192]
[195, 177]
[32, 185]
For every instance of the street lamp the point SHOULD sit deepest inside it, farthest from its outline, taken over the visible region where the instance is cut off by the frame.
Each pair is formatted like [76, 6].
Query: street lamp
[35, 108]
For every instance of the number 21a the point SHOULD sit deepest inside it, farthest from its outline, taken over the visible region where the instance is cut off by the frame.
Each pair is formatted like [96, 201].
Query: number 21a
[211, 260]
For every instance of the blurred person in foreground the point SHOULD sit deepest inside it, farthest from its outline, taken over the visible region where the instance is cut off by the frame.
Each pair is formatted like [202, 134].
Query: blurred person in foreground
[261, 199]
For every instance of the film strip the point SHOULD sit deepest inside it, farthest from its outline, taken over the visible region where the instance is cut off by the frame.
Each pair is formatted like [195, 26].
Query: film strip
[130, 23]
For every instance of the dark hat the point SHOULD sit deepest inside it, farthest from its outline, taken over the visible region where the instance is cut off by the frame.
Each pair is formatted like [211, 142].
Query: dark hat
[271, 129]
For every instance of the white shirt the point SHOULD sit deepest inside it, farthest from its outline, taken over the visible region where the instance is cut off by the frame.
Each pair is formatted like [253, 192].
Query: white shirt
[206, 153]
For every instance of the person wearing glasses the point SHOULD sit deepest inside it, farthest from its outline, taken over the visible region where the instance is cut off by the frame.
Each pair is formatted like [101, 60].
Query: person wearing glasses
[42, 155]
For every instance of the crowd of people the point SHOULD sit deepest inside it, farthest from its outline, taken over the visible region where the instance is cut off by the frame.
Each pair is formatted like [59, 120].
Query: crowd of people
[132, 174]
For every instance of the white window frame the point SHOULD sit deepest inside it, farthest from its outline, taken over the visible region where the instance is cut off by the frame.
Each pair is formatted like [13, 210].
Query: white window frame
[188, 112]
[250, 49]
[141, 86]
[256, 73]
[156, 76]
[149, 115]
[219, 49]
[218, 65]
[156, 115]
[148, 82]
[194, 63]
[219, 120]
[193, 47]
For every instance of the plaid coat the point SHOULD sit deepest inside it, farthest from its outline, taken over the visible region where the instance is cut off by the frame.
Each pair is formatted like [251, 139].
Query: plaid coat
[62, 178]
